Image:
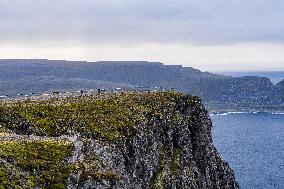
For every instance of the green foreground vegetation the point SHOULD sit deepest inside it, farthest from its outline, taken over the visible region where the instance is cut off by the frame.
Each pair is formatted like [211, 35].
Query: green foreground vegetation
[105, 117]
[30, 163]
[110, 116]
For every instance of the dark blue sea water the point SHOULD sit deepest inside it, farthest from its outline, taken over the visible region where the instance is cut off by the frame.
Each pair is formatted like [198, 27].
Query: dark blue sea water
[253, 144]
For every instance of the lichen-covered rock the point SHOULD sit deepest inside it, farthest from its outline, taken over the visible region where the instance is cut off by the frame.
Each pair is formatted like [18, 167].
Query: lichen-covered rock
[126, 141]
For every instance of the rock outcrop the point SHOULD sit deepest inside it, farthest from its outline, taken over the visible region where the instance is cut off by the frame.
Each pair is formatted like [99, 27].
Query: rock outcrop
[121, 141]
[280, 87]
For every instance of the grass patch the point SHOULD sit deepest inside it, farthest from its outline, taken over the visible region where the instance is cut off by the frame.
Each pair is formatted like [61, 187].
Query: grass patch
[35, 164]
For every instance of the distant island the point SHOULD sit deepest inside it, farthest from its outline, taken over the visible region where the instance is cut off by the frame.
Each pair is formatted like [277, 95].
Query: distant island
[19, 77]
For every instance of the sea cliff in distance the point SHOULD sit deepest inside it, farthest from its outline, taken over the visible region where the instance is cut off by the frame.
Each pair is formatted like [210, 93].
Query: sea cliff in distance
[37, 76]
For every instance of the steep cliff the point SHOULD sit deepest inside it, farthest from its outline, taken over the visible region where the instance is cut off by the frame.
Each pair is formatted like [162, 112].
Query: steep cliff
[123, 140]
[280, 88]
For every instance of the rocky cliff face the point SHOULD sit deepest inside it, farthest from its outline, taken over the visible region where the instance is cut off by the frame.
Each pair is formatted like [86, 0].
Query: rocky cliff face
[249, 90]
[123, 141]
[280, 87]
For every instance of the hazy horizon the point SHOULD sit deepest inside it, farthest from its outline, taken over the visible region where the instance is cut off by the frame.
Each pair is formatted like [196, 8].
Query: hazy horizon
[203, 69]
[207, 35]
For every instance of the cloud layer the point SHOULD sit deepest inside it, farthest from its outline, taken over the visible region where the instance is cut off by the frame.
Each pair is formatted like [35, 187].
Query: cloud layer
[213, 35]
[135, 21]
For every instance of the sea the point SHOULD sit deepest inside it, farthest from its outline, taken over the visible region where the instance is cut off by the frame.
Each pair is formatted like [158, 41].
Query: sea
[253, 145]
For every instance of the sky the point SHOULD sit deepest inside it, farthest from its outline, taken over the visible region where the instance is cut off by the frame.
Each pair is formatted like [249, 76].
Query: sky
[211, 35]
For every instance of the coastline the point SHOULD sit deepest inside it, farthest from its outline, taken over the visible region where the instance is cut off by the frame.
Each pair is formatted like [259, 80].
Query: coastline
[235, 108]
[224, 113]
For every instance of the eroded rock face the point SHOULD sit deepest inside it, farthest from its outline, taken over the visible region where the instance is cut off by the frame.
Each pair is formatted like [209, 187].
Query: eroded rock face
[170, 147]
[162, 154]
[280, 88]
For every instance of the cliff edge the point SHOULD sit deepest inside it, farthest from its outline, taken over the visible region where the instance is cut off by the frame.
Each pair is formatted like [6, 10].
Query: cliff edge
[122, 141]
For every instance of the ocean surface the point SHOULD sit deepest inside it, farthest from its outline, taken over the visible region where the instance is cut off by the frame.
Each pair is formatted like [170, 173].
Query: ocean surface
[253, 144]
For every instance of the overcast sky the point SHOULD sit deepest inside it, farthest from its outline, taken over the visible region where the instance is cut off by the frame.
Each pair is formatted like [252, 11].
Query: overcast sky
[212, 35]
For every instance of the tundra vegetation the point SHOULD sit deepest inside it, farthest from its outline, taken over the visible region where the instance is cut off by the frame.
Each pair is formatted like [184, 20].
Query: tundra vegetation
[62, 142]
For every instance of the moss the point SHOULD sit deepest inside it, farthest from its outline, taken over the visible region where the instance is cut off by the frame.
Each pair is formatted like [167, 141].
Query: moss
[176, 162]
[99, 176]
[106, 118]
[9, 177]
[162, 176]
[35, 164]
[169, 168]
[111, 117]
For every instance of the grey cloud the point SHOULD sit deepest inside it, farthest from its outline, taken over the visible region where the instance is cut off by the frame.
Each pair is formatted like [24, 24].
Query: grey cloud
[136, 21]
